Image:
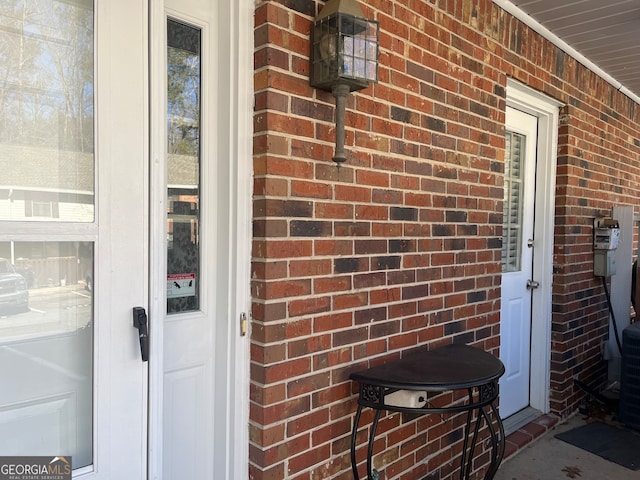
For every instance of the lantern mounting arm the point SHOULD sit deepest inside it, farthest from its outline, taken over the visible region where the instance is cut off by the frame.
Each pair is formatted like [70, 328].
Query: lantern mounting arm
[340, 92]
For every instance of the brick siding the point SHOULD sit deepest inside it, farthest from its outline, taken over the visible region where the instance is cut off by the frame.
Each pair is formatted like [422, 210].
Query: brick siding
[401, 246]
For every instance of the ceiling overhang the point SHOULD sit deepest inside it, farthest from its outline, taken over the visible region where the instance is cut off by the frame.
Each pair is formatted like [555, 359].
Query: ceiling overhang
[603, 35]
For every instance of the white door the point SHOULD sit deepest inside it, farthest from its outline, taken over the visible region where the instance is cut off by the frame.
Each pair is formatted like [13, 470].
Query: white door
[517, 261]
[73, 209]
[187, 180]
[198, 383]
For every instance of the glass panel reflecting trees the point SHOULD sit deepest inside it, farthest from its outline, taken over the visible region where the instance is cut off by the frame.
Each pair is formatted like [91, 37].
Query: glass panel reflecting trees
[183, 148]
[48, 171]
[46, 110]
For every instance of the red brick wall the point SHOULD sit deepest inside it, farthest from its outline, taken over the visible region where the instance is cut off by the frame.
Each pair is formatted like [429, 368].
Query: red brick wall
[401, 246]
[598, 167]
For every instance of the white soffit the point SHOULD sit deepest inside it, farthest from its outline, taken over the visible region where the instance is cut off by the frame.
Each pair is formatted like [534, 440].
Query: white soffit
[603, 35]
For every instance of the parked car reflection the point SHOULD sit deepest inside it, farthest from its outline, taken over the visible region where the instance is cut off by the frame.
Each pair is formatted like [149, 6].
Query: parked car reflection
[14, 292]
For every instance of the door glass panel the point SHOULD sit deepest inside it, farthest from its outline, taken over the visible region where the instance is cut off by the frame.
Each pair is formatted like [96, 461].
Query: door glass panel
[46, 349]
[183, 149]
[513, 202]
[46, 110]
[48, 177]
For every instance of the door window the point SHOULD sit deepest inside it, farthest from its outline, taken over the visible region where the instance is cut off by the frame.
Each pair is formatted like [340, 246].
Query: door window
[183, 152]
[513, 202]
[47, 191]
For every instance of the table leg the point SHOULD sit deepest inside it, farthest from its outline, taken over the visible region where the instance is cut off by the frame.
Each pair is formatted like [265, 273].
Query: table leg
[474, 441]
[354, 434]
[465, 444]
[497, 441]
[372, 437]
[496, 438]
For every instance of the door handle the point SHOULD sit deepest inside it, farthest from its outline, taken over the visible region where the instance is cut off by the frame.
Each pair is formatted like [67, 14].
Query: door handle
[140, 322]
[532, 284]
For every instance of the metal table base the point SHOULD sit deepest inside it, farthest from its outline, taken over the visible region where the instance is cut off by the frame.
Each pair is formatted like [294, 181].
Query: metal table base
[450, 368]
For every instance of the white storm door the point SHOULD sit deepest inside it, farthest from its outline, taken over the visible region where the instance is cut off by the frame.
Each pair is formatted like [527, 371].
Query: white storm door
[517, 261]
[73, 233]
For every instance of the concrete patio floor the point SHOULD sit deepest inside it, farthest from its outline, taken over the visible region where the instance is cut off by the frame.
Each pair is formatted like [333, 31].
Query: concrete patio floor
[548, 458]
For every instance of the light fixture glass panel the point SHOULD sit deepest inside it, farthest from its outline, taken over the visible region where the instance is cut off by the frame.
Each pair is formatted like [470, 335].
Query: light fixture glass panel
[344, 50]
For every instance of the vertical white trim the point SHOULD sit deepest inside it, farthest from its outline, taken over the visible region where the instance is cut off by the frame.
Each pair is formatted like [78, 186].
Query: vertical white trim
[243, 139]
[157, 230]
[546, 110]
[236, 31]
[120, 277]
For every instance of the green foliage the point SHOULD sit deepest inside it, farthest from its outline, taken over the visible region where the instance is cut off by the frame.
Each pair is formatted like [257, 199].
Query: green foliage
[183, 95]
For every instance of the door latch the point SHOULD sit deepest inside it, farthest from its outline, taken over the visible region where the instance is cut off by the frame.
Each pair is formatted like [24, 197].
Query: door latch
[243, 324]
[532, 284]
[140, 322]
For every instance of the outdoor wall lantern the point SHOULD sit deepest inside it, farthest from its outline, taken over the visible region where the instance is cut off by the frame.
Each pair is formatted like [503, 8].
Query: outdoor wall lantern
[344, 57]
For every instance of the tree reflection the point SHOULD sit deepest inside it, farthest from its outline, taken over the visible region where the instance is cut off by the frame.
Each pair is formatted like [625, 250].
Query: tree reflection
[46, 74]
[183, 147]
[183, 76]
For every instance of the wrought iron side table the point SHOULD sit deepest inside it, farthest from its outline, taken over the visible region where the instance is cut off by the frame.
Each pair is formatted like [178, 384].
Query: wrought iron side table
[449, 368]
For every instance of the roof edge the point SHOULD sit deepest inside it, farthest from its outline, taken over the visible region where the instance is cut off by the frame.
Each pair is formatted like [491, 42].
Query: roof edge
[514, 10]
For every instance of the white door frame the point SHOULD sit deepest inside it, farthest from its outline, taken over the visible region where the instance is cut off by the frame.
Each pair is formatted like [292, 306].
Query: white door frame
[234, 150]
[546, 110]
[120, 147]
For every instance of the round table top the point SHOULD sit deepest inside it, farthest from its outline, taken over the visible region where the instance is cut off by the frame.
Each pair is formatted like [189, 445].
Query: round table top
[450, 367]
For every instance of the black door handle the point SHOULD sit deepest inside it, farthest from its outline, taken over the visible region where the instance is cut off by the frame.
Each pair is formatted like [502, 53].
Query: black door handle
[140, 322]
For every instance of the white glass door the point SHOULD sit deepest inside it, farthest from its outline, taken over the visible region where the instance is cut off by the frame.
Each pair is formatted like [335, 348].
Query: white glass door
[73, 233]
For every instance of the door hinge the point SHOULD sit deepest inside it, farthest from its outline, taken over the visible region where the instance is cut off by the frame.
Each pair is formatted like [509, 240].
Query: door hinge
[243, 324]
